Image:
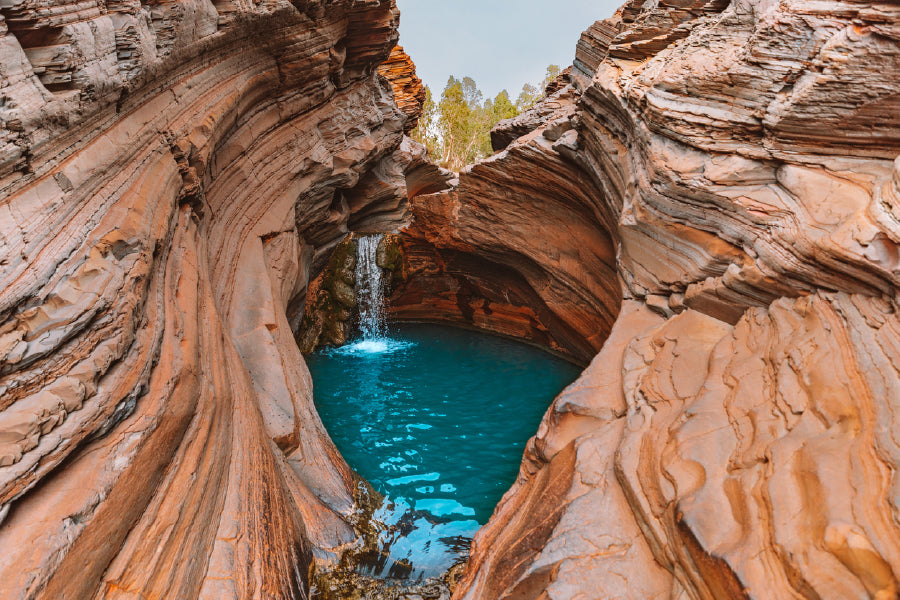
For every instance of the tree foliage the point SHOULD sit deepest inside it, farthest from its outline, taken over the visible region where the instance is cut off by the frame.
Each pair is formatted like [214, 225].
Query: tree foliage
[425, 132]
[456, 128]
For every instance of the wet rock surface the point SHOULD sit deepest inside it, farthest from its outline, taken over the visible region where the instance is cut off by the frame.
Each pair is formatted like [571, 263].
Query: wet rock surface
[353, 586]
[331, 301]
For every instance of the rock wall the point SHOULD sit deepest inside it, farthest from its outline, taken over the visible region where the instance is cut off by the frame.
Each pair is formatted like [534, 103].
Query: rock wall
[736, 436]
[171, 174]
[409, 91]
[519, 245]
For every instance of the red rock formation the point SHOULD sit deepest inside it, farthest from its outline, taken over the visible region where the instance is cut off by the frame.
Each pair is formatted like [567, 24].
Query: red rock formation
[170, 174]
[712, 204]
[736, 435]
[409, 91]
[518, 247]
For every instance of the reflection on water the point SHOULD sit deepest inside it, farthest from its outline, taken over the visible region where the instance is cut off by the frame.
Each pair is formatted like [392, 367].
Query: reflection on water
[436, 419]
[417, 543]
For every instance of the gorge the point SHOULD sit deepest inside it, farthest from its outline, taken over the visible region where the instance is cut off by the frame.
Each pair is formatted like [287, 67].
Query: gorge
[704, 210]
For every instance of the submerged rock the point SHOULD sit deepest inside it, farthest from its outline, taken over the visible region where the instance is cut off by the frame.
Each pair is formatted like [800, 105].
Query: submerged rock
[352, 586]
[341, 580]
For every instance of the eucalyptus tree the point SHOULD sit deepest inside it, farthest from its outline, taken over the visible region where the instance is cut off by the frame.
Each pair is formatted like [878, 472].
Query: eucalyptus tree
[456, 129]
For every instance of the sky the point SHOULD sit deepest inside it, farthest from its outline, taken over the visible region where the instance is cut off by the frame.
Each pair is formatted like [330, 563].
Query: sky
[501, 44]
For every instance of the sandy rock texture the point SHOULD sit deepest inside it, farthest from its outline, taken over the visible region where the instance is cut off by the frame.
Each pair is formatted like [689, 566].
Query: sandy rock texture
[171, 174]
[734, 171]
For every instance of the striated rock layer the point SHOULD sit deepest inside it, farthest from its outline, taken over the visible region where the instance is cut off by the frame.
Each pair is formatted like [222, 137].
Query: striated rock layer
[171, 174]
[706, 207]
[736, 436]
[519, 245]
[409, 91]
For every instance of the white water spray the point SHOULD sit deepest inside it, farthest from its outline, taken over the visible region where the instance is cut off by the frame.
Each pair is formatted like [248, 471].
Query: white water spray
[370, 286]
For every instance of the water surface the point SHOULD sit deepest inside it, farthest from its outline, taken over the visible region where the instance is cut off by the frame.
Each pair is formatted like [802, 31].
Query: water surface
[436, 419]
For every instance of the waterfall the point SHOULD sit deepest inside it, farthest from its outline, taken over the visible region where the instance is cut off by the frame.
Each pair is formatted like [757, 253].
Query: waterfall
[370, 288]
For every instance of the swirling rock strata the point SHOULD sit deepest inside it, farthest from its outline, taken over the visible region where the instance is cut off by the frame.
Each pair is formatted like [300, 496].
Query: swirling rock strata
[170, 176]
[736, 436]
[518, 245]
[409, 91]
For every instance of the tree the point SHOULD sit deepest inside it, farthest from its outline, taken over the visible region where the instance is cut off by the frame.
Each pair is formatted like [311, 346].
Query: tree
[496, 110]
[531, 94]
[527, 97]
[456, 130]
[455, 124]
[425, 131]
[479, 126]
[471, 93]
[503, 108]
[464, 121]
[552, 73]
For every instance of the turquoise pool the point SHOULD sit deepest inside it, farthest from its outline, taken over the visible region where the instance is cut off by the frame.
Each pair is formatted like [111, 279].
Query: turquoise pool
[436, 418]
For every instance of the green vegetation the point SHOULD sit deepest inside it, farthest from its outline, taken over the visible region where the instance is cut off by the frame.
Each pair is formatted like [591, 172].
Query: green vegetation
[331, 301]
[456, 128]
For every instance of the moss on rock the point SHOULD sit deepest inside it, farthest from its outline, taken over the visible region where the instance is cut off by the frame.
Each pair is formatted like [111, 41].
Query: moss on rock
[331, 301]
[389, 256]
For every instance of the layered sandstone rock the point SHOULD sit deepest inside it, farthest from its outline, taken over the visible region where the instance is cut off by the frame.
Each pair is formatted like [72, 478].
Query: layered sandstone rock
[710, 199]
[736, 435]
[519, 245]
[409, 91]
[170, 175]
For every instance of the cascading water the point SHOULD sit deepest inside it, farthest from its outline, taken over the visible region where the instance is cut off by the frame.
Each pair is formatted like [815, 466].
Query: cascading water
[371, 303]
[370, 288]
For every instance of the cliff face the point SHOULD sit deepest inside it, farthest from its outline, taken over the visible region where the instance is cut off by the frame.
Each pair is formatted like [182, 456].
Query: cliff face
[519, 245]
[736, 435]
[170, 174]
[409, 91]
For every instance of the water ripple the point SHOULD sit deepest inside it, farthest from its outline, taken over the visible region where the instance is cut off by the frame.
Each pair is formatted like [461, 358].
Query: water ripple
[436, 419]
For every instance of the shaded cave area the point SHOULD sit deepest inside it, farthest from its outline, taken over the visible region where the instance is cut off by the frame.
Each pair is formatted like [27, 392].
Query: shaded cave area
[519, 245]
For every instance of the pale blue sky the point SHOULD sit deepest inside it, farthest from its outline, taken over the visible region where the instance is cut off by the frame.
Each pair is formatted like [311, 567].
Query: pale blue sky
[498, 43]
